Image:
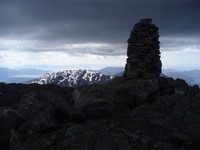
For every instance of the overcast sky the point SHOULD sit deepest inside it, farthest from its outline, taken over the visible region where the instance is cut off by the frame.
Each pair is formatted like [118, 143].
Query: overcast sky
[72, 34]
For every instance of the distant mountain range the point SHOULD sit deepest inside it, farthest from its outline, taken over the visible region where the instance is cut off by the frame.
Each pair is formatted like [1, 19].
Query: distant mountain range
[73, 78]
[24, 75]
[111, 70]
[192, 77]
[19, 75]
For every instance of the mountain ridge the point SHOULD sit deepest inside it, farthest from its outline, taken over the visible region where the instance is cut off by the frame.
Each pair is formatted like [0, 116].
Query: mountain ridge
[8, 75]
[73, 78]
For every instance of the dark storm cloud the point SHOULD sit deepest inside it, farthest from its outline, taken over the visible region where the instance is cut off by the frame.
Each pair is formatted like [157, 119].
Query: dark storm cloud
[57, 22]
[179, 43]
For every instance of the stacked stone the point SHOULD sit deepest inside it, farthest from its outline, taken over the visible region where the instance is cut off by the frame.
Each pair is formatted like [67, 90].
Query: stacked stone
[143, 51]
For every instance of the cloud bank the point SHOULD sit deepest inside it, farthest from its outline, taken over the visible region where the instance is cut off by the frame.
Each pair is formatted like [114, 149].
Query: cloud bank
[43, 25]
[100, 27]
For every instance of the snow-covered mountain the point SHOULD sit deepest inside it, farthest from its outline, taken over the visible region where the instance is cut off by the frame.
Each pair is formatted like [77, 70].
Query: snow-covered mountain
[73, 78]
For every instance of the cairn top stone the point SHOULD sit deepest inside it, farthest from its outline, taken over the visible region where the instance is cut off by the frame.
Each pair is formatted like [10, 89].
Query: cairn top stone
[143, 51]
[146, 20]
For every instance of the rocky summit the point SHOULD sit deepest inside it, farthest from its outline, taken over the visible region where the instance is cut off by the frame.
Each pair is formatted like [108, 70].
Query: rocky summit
[127, 113]
[143, 51]
[154, 114]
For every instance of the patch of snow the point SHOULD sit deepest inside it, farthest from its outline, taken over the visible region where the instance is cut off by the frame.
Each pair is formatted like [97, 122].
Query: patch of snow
[73, 77]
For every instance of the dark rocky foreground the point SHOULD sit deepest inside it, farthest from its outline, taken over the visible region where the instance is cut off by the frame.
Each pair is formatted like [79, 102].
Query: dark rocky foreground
[125, 114]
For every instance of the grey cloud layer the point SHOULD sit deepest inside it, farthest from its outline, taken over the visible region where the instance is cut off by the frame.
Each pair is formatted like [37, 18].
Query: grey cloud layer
[87, 21]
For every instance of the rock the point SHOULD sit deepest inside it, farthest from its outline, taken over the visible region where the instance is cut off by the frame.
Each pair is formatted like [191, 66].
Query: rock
[66, 112]
[35, 142]
[166, 85]
[102, 101]
[19, 102]
[143, 43]
[124, 114]
[97, 110]
[44, 120]
[164, 146]
[93, 105]
[181, 87]
[194, 90]
[16, 140]
[6, 123]
[29, 104]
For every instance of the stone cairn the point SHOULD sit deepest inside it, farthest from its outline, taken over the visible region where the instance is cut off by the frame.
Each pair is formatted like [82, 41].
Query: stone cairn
[143, 51]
